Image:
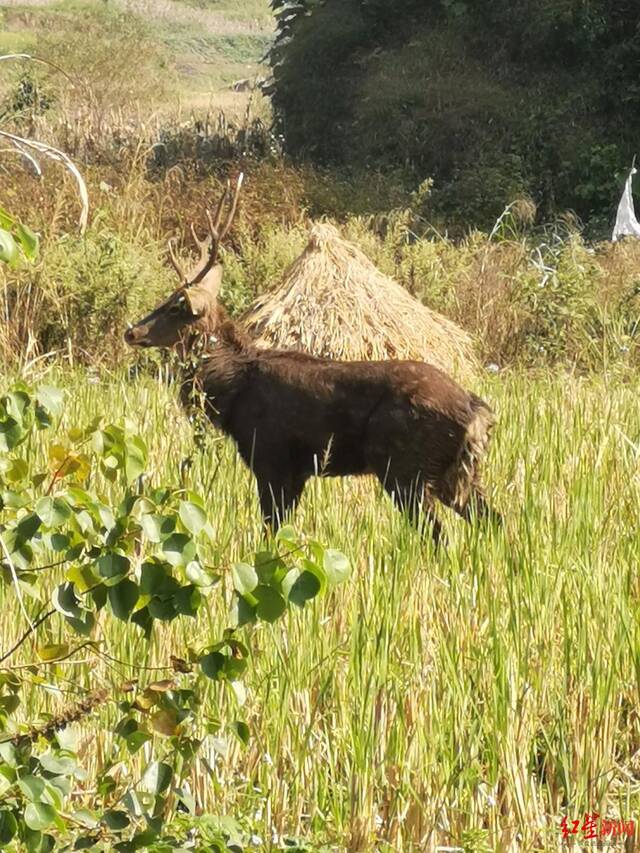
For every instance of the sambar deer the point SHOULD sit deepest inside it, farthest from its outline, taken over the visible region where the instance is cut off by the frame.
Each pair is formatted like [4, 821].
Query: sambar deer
[293, 415]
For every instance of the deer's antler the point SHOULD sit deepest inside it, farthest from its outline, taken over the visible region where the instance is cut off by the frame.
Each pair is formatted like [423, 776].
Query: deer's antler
[209, 247]
[176, 264]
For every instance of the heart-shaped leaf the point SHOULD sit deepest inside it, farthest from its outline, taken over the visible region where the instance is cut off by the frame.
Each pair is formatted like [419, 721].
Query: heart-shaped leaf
[192, 516]
[123, 598]
[336, 566]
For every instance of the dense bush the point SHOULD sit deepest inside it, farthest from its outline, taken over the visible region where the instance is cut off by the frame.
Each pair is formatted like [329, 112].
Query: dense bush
[491, 99]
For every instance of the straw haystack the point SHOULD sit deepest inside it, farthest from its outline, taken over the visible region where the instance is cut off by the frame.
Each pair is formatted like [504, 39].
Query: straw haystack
[334, 302]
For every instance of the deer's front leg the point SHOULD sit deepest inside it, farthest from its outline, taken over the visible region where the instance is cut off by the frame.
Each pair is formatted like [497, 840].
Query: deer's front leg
[279, 491]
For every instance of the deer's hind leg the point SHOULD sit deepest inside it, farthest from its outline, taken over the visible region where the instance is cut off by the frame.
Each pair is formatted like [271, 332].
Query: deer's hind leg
[472, 505]
[414, 497]
[476, 506]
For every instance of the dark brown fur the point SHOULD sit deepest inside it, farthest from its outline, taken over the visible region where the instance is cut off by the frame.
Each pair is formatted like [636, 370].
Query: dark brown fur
[292, 415]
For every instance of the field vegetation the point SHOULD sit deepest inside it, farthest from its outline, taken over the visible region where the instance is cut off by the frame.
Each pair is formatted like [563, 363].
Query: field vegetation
[165, 54]
[467, 699]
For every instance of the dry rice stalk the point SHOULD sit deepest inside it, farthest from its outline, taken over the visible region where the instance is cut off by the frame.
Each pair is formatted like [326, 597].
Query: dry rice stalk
[334, 302]
[70, 715]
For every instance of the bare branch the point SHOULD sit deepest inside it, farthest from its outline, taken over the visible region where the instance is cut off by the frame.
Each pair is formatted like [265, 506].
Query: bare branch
[16, 583]
[27, 634]
[56, 661]
[70, 715]
[59, 156]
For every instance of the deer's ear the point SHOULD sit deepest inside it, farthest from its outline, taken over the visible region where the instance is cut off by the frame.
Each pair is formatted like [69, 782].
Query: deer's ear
[203, 295]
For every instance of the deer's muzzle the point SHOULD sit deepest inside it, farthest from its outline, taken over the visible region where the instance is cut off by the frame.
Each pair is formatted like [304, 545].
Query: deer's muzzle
[136, 337]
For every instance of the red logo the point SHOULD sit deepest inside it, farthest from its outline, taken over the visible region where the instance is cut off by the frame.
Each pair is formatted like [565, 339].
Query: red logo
[593, 826]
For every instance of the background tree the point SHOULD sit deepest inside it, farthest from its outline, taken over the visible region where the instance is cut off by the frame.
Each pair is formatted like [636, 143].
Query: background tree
[492, 99]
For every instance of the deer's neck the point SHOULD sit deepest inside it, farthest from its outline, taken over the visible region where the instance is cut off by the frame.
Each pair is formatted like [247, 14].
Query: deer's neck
[208, 334]
[210, 348]
[215, 371]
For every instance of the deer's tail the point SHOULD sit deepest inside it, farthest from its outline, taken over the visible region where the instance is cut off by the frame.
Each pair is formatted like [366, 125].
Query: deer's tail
[462, 479]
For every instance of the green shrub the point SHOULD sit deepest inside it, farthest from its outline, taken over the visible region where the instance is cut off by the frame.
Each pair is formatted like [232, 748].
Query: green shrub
[81, 295]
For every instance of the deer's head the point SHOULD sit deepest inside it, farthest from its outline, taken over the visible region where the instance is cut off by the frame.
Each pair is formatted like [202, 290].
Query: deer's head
[192, 309]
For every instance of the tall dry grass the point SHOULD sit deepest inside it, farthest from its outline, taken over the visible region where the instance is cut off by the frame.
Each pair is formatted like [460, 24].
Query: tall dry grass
[528, 299]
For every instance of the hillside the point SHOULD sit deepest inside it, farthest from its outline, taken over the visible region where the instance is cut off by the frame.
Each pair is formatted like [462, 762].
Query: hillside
[185, 54]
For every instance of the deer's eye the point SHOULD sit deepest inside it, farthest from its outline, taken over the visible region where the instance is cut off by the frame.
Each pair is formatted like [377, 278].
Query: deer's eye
[176, 309]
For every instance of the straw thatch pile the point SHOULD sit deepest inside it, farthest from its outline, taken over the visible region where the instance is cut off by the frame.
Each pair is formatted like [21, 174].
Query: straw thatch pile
[334, 302]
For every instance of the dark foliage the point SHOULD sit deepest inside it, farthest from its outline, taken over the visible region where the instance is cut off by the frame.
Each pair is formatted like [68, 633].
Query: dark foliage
[492, 99]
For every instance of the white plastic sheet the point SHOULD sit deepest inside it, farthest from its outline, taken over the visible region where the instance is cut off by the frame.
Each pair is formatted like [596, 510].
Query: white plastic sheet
[626, 223]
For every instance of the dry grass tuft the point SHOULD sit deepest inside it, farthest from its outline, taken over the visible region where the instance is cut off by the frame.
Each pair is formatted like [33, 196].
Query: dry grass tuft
[334, 302]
